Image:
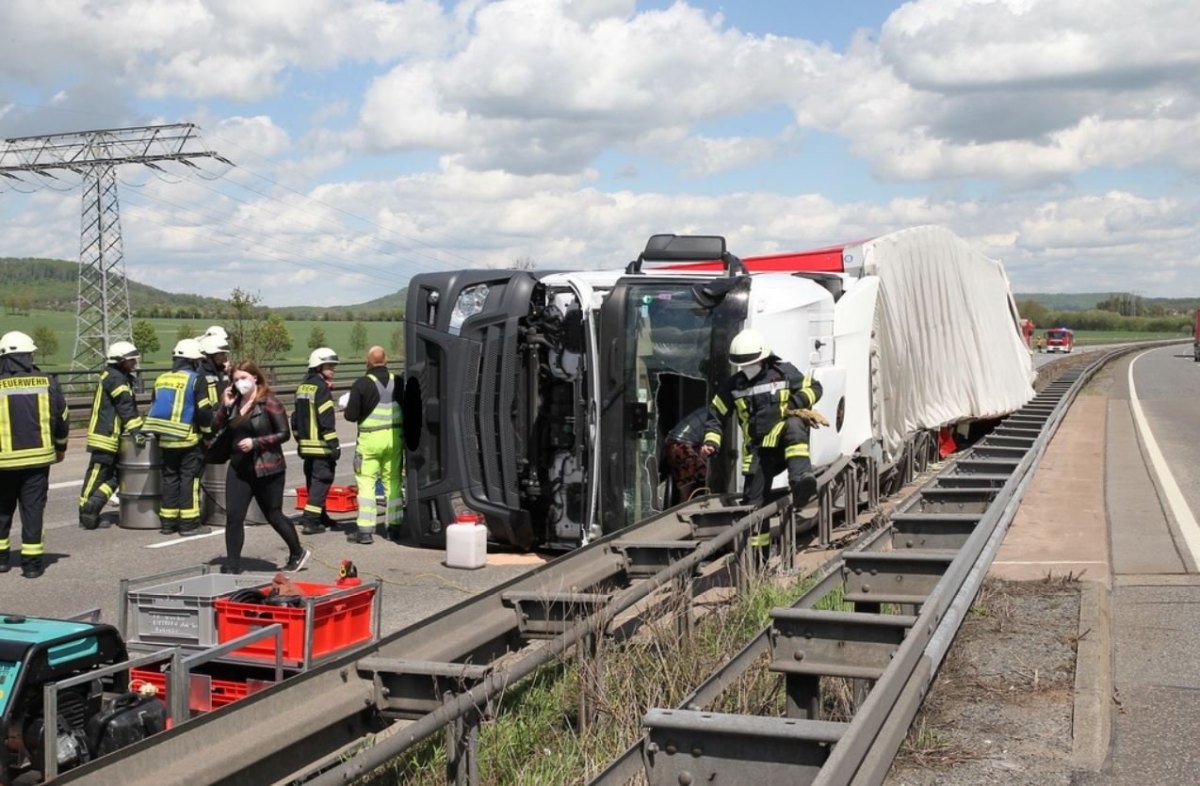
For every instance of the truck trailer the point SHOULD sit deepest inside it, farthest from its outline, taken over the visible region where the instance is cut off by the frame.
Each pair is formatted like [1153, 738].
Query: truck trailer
[541, 400]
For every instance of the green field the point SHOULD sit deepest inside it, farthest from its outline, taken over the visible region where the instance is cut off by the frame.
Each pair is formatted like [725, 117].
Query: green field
[1084, 337]
[337, 335]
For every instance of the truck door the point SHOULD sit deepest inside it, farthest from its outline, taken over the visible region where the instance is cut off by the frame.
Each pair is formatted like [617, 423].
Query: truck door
[664, 348]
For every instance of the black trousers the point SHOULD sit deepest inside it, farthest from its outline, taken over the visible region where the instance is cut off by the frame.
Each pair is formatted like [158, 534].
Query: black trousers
[29, 489]
[99, 482]
[181, 471]
[760, 465]
[240, 488]
[318, 477]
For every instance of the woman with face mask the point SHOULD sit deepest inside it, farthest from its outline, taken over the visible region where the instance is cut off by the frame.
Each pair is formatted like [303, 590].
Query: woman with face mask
[258, 427]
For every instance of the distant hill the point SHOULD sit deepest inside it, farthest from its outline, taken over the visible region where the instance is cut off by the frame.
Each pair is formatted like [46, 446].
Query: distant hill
[53, 285]
[1083, 301]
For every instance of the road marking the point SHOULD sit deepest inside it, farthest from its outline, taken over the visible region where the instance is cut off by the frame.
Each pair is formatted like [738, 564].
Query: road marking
[66, 484]
[178, 540]
[1050, 562]
[1174, 497]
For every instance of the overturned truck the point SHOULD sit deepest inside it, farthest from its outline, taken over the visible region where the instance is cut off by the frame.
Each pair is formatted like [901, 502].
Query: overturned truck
[542, 400]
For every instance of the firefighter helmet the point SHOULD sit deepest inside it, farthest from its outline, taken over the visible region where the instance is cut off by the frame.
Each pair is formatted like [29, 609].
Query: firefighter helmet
[189, 349]
[748, 347]
[213, 344]
[122, 350]
[216, 330]
[15, 342]
[322, 355]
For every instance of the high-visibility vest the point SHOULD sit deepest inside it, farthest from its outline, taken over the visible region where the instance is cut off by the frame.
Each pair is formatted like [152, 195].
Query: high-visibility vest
[386, 414]
[26, 422]
[174, 409]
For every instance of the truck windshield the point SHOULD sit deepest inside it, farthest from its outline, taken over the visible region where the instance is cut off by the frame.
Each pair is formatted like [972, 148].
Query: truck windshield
[669, 343]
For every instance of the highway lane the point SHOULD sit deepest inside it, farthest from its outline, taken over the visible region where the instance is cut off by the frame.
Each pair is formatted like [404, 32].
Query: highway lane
[1167, 386]
[84, 568]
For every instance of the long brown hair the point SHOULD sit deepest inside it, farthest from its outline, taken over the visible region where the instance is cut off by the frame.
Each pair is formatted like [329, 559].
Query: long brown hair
[260, 381]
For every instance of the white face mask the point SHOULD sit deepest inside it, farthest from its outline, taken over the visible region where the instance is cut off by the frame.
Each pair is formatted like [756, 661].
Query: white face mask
[244, 386]
[751, 371]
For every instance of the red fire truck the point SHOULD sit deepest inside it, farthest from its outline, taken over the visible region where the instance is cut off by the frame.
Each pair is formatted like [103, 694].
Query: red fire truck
[1060, 339]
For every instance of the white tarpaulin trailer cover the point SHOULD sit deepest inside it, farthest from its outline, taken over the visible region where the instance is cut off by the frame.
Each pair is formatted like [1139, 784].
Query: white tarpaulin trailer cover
[947, 330]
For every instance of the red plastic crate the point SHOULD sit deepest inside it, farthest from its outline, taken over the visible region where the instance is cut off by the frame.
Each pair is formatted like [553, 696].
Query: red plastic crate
[341, 499]
[338, 623]
[223, 692]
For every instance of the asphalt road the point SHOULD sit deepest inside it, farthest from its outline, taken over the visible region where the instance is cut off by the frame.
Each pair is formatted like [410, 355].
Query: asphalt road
[84, 568]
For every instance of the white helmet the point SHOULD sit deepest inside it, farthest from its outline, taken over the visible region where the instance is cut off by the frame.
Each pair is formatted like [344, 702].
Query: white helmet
[188, 348]
[122, 350]
[322, 355]
[213, 344]
[216, 330]
[15, 342]
[748, 347]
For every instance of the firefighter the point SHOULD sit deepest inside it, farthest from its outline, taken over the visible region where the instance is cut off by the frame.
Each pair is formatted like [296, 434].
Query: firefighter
[373, 405]
[181, 415]
[214, 367]
[114, 412]
[33, 435]
[762, 392]
[314, 426]
[215, 364]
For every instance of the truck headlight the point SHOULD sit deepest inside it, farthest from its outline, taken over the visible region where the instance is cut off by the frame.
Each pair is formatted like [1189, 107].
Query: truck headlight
[470, 302]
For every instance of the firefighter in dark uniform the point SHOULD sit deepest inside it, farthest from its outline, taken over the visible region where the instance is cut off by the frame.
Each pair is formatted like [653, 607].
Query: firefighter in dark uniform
[314, 426]
[114, 411]
[762, 392]
[214, 367]
[33, 435]
[181, 415]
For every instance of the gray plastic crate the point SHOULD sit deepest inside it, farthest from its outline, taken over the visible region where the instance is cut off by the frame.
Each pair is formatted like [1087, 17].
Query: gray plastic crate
[182, 611]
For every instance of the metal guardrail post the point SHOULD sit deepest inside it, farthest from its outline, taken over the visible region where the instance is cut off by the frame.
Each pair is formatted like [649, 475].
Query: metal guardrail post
[179, 679]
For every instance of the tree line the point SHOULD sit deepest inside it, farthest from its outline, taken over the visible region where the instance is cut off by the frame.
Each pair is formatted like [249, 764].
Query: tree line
[1104, 319]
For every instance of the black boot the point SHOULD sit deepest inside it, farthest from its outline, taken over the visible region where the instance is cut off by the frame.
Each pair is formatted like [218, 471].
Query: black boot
[311, 526]
[31, 567]
[804, 489]
[5, 564]
[89, 515]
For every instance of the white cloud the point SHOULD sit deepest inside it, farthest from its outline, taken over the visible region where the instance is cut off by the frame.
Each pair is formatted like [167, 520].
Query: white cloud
[210, 48]
[548, 86]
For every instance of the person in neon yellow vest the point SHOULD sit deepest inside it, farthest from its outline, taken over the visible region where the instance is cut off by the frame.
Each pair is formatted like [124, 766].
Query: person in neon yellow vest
[374, 404]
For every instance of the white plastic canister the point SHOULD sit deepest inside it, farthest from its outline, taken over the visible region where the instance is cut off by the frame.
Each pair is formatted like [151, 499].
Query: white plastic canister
[466, 542]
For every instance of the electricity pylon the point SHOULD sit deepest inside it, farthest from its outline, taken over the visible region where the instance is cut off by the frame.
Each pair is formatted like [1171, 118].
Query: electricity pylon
[103, 314]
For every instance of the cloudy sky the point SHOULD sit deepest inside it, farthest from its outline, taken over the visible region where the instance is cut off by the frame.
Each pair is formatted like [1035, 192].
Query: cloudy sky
[374, 140]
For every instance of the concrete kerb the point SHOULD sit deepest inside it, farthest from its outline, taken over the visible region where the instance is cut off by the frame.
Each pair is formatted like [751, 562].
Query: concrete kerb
[1091, 720]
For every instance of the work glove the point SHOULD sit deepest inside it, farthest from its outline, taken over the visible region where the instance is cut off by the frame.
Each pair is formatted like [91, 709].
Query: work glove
[813, 418]
[139, 437]
[343, 400]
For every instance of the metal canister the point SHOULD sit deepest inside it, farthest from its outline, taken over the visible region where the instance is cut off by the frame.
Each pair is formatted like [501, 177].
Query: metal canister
[139, 467]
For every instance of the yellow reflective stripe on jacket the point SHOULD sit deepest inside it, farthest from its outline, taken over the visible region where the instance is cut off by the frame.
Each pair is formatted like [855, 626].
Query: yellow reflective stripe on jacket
[806, 390]
[712, 437]
[719, 406]
[328, 405]
[38, 455]
[772, 437]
